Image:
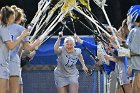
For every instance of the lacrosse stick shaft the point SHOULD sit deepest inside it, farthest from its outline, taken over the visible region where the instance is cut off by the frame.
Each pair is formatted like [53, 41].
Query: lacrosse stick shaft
[51, 12]
[93, 56]
[78, 10]
[50, 35]
[53, 24]
[37, 13]
[96, 34]
[39, 28]
[98, 85]
[55, 21]
[93, 16]
[108, 21]
[67, 27]
[36, 19]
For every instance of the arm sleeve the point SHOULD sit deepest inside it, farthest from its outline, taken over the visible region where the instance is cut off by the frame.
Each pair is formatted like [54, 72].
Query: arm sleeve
[61, 49]
[89, 45]
[21, 29]
[135, 46]
[5, 35]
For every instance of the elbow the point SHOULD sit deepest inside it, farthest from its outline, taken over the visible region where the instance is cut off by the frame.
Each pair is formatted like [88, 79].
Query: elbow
[56, 49]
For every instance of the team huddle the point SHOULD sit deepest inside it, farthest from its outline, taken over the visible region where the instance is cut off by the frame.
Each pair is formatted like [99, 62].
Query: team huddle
[119, 61]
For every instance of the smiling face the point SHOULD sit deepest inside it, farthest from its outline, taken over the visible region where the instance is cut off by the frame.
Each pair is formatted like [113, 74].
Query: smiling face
[69, 44]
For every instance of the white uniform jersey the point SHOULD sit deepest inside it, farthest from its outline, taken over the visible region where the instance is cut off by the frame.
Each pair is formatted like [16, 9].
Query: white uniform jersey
[14, 66]
[134, 46]
[4, 52]
[66, 72]
[67, 62]
[15, 31]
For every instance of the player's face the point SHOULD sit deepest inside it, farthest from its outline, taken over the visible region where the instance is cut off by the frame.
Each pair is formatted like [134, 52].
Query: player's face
[69, 45]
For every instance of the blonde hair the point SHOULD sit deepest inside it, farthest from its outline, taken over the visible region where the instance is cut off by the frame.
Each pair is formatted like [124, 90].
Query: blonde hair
[5, 13]
[19, 13]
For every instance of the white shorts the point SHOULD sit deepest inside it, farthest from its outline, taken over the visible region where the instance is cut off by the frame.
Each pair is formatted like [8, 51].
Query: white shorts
[61, 81]
[4, 72]
[14, 68]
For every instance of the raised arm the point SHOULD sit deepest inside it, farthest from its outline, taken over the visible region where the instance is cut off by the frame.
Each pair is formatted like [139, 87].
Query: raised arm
[57, 43]
[85, 43]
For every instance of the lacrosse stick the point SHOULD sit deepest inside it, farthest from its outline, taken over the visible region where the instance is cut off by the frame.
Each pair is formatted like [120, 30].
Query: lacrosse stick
[37, 16]
[78, 10]
[95, 33]
[66, 6]
[101, 4]
[55, 20]
[51, 12]
[52, 25]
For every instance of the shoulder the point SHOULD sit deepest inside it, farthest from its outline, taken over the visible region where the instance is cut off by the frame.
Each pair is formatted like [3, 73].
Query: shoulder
[19, 26]
[3, 29]
[137, 31]
[16, 26]
[78, 50]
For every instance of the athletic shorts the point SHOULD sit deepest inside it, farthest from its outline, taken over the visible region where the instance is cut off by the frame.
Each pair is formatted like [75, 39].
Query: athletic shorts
[14, 68]
[61, 80]
[4, 72]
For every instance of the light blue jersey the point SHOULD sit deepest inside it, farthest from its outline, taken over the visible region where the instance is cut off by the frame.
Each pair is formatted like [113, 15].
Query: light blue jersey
[67, 62]
[134, 46]
[14, 65]
[15, 31]
[66, 72]
[4, 51]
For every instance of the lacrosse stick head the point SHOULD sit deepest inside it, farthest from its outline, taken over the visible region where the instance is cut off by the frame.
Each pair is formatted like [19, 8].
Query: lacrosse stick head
[85, 3]
[132, 14]
[135, 16]
[100, 3]
[68, 4]
[133, 9]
